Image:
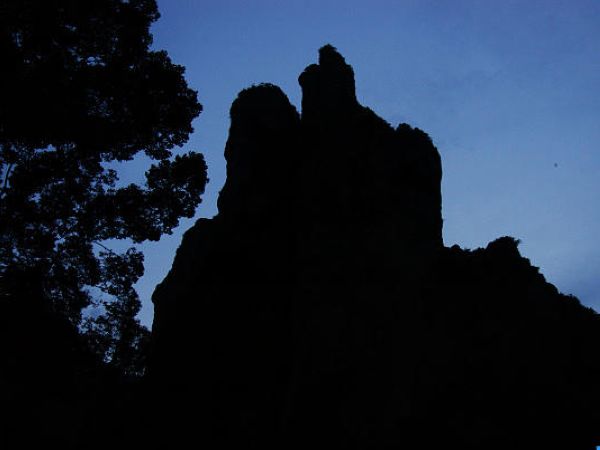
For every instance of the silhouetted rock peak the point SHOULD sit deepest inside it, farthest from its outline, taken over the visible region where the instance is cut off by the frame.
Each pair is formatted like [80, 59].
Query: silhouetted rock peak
[328, 87]
[341, 169]
[265, 100]
[258, 152]
[320, 304]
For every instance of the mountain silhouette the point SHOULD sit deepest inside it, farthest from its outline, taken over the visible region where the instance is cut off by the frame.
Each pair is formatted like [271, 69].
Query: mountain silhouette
[321, 307]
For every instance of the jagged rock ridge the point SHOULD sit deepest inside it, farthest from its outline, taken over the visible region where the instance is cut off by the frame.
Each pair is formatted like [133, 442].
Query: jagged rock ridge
[321, 304]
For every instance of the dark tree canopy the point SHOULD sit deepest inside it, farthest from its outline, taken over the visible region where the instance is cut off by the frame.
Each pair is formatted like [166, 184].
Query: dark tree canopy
[80, 88]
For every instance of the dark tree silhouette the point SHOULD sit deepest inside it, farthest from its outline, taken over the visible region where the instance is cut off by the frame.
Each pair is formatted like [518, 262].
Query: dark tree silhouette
[80, 92]
[80, 89]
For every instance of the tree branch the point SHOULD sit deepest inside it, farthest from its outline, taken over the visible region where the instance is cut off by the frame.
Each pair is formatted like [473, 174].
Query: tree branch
[104, 247]
[6, 177]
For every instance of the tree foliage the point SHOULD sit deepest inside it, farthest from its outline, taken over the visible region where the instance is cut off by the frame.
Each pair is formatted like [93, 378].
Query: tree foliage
[80, 89]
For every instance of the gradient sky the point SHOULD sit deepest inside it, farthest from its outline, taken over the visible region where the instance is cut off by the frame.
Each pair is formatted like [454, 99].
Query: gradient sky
[509, 91]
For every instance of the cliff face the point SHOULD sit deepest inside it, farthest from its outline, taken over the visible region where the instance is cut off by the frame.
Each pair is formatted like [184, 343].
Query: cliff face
[321, 304]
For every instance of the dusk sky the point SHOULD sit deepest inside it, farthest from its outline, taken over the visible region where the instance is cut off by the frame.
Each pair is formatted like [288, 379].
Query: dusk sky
[509, 92]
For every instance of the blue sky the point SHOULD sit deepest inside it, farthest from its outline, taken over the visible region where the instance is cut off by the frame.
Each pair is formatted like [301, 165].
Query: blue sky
[509, 91]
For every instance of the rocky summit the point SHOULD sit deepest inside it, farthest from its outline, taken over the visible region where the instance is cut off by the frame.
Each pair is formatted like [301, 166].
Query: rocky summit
[321, 307]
